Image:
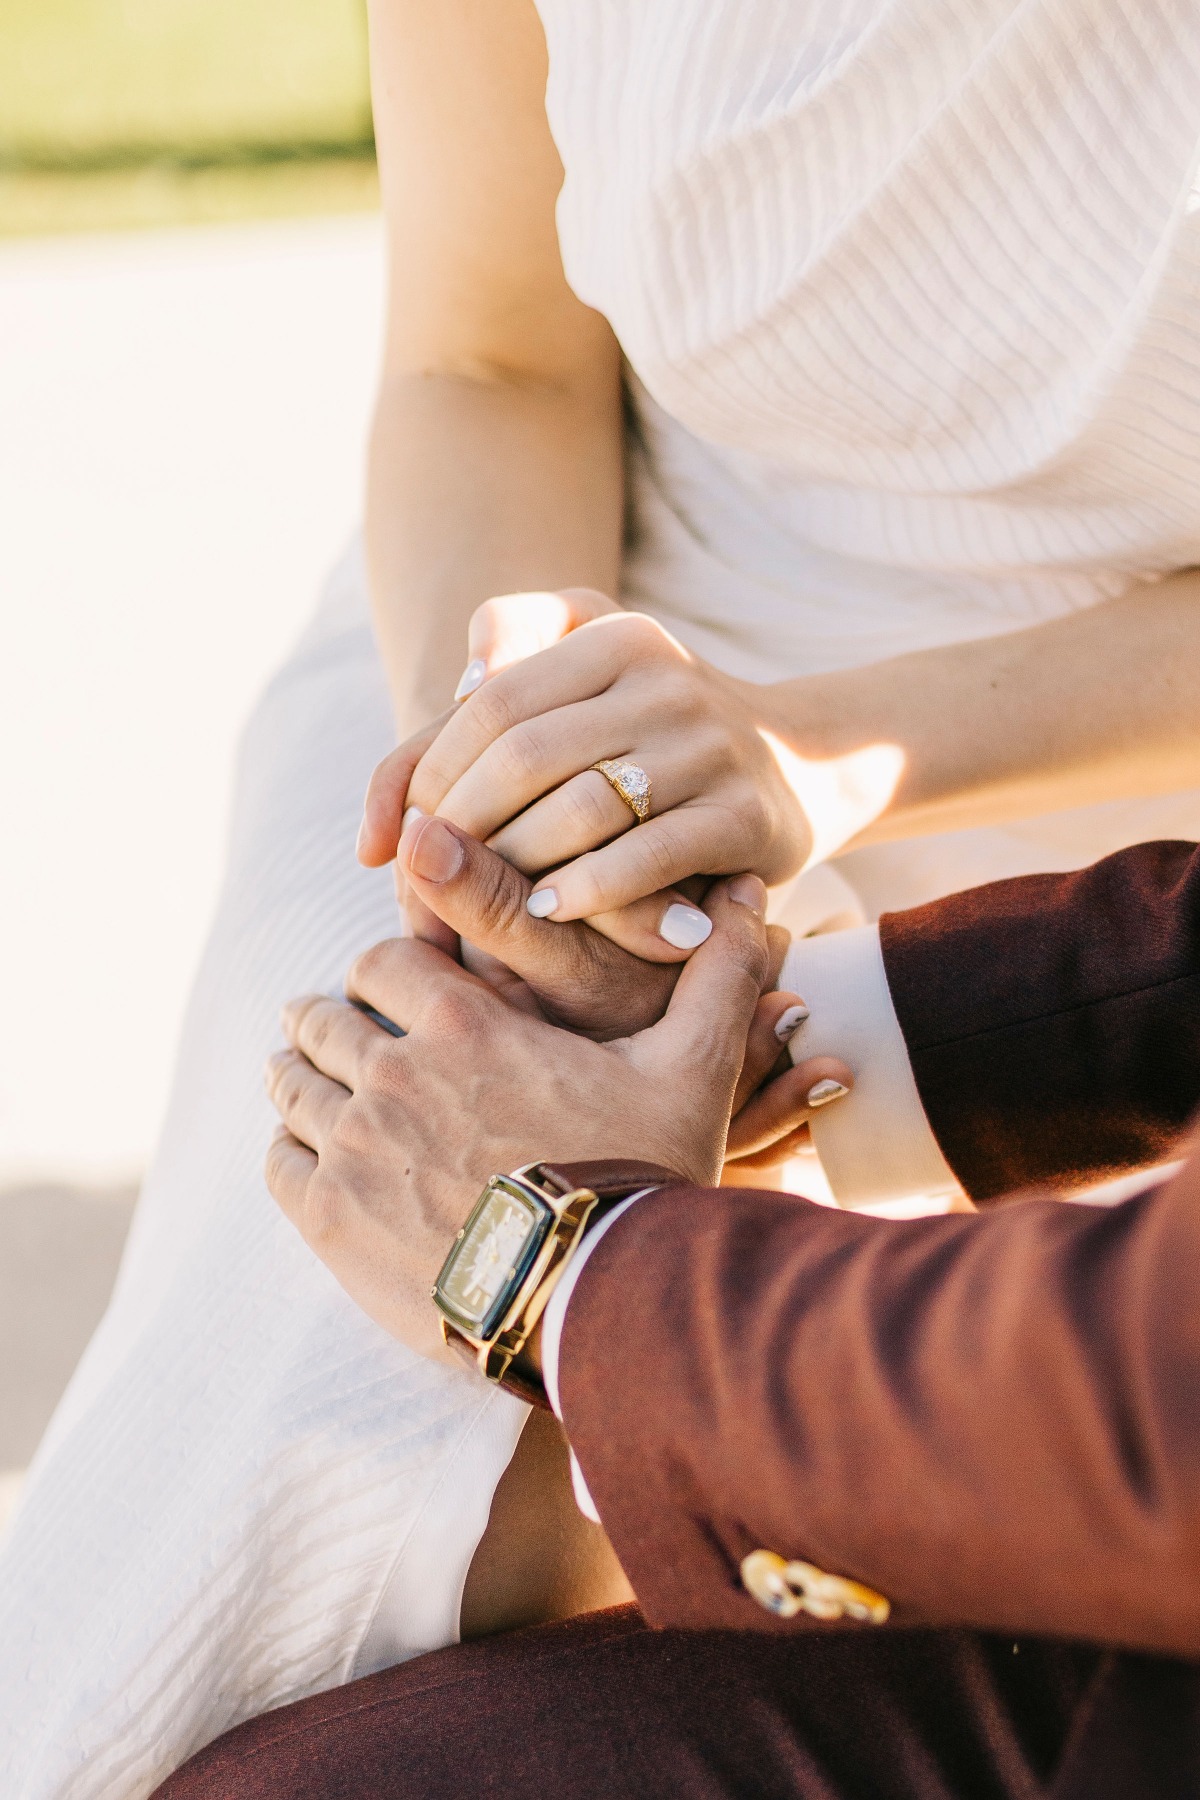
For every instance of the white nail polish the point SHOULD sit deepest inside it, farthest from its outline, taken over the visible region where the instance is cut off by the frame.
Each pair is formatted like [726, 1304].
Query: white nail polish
[411, 815]
[542, 903]
[826, 1091]
[788, 1023]
[471, 678]
[686, 927]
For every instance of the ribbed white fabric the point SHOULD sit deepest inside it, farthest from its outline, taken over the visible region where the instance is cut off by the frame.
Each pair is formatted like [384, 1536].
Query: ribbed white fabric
[908, 291]
[908, 288]
[250, 1492]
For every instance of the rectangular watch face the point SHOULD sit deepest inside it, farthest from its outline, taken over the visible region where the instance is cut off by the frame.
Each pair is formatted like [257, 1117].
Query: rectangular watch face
[500, 1240]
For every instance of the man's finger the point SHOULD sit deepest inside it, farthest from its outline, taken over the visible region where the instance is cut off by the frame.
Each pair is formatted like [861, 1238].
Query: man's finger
[289, 1167]
[501, 979]
[709, 1015]
[482, 898]
[582, 978]
[307, 1101]
[333, 1036]
[404, 980]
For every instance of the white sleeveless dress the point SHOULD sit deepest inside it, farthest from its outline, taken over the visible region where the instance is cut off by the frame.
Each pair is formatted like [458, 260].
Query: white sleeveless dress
[907, 290]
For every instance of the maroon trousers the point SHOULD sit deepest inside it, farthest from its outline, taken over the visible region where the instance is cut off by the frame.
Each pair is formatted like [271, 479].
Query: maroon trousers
[602, 1707]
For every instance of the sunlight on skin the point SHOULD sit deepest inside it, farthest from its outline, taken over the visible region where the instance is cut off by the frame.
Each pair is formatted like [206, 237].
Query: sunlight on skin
[511, 627]
[841, 795]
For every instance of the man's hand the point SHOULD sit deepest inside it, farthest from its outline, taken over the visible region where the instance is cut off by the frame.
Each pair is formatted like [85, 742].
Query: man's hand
[462, 894]
[387, 1142]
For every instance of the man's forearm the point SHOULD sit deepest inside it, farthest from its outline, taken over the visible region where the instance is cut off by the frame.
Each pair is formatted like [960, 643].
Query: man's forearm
[479, 487]
[989, 1420]
[1053, 1021]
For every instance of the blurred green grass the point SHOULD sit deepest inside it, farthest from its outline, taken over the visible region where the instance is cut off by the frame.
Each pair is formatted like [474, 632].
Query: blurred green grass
[118, 113]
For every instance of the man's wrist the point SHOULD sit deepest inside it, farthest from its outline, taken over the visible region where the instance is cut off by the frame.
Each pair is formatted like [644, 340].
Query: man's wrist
[528, 1364]
[536, 1217]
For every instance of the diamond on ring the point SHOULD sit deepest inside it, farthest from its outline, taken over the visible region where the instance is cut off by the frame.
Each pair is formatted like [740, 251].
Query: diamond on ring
[629, 780]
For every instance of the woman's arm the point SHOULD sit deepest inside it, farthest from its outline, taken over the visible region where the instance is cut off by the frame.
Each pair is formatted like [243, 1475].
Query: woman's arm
[1101, 705]
[495, 461]
[495, 464]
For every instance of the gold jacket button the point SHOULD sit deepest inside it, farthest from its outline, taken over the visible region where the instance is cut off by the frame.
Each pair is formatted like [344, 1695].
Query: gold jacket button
[788, 1588]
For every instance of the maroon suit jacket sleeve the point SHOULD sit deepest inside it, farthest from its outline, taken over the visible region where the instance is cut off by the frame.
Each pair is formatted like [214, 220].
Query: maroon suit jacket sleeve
[991, 1419]
[1053, 1022]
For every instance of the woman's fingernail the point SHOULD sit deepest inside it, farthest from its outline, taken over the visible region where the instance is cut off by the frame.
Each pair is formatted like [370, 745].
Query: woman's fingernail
[362, 832]
[471, 678]
[436, 853]
[686, 927]
[749, 891]
[542, 902]
[788, 1023]
[825, 1092]
[412, 814]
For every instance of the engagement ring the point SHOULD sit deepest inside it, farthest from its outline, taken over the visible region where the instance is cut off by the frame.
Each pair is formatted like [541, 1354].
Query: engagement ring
[631, 781]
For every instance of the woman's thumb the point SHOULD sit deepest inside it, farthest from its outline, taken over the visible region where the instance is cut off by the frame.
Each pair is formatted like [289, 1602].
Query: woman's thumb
[509, 627]
[708, 1018]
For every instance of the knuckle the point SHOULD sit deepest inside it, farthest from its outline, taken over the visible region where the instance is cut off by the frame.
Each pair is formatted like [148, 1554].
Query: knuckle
[324, 1211]
[275, 1163]
[587, 813]
[749, 815]
[491, 709]
[283, 1077]
[518, 754]
[317, 1025]
[586, 887]
[656, 854]
[351, 1134]
[291, 1090]
[453, 1014]
[641, 634]
[500, 903]
[748, 954]
[369, 965]
[384, 1071]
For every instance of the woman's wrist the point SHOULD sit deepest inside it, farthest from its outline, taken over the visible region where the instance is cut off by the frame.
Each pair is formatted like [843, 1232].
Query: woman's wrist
[837, 761]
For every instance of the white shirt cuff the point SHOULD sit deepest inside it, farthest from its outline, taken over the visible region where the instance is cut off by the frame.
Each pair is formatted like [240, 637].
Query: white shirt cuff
[875, 1146]
[552, 1328]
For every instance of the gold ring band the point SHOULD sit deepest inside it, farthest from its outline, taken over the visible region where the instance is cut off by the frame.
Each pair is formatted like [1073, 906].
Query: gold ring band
[629, 780]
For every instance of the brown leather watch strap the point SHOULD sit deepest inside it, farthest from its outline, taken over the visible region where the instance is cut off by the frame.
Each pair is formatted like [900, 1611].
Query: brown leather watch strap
[611, 1179]
[514, 1380]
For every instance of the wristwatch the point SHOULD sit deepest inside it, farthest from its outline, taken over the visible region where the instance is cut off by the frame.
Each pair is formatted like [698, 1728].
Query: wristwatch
[506, 1261]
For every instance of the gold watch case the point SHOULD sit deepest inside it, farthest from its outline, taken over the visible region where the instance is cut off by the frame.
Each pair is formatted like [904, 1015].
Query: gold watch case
[504, 1264]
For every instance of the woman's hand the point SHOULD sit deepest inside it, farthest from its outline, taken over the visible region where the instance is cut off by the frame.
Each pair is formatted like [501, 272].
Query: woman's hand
[387, 1142]
[775, 1099]
[512, 766]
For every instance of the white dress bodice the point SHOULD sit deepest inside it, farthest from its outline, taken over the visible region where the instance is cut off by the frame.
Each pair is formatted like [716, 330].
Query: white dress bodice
[908, 294]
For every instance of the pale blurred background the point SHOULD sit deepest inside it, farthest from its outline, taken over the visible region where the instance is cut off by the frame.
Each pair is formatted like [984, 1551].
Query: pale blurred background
[191, 292]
